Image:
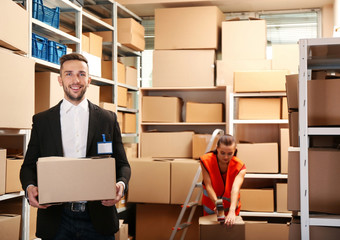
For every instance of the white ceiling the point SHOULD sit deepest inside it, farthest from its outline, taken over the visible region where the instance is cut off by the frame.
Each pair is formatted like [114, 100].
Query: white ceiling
[146, 7]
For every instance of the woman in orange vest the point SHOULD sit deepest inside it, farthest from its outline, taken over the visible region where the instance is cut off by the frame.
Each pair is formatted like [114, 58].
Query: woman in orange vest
[223, 175]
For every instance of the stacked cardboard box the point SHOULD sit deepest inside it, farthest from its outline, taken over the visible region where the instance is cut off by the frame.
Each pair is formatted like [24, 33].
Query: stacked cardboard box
[2, 171]
[293, 106]
[93, 52]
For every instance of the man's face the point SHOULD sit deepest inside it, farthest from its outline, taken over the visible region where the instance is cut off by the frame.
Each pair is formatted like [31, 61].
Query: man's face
[74, 78]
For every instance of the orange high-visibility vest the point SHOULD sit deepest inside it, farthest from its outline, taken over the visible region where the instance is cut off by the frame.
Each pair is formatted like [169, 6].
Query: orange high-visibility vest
[221, 187]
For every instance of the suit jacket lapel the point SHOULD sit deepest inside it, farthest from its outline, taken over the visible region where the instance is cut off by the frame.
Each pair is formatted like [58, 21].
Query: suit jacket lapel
[54, 121]
[94, 120]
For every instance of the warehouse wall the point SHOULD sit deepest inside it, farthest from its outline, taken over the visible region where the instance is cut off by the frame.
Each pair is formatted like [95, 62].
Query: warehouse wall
[327, 20]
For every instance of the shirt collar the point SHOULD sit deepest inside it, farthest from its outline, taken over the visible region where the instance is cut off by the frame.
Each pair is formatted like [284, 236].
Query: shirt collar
[66, 105]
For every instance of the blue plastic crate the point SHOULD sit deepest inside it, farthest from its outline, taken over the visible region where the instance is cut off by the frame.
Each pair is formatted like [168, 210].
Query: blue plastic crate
[55, 51]
[45, 14]
[39, 47]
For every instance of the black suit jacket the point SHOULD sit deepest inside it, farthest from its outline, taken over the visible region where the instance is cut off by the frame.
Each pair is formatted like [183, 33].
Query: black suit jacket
[46, 141]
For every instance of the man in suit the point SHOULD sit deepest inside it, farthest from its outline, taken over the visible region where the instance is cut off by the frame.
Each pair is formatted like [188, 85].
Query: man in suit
[74, 128]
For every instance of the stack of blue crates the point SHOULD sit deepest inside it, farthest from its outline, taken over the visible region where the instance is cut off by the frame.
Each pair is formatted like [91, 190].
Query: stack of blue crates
[45, 14]
[55, 51]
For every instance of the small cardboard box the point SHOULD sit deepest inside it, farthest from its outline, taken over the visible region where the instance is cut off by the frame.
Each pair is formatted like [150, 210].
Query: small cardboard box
[13, 167]
[3, 153]
[122, 97]
[121, 73]
[85, 43]
[149, 175]
[183, 172]
[259, 108]
[285, 56]
[107, 71]
[322, 195]
[16, 81]
[14, 34]
[292, 88]
[131, 76]
[10, 226]
[225, 68]
[82, 179]
[211, 229]
[293, 120]
[244, 39]
[323, 98]
[257, 200]
[183, 68]
[130, 33]
[200, 143]
[161, 109]
[282, 197]
[108, 106]
[284, 108]
[260, 81]
[130, 101]
[259, 157]
[106, 94]
[284, 145]
[129, 123]
[184, 28]
[166, 144]
[96, 44]
[266, 231]
[204, 112]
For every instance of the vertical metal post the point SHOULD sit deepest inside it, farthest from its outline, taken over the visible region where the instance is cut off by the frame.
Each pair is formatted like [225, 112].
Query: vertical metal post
[231, 114]
[115, 54]
[78, 29]
[303, 128]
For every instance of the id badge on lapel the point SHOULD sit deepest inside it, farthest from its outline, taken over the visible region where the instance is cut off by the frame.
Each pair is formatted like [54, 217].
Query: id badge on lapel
[104, 147]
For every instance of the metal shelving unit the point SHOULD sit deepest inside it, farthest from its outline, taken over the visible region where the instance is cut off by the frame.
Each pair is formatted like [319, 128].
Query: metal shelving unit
[307, 63]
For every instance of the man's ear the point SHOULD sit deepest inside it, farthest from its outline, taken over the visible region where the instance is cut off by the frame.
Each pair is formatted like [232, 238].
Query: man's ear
[60, 81]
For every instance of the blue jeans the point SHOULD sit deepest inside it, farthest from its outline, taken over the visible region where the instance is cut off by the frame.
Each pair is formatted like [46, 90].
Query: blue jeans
[78, 226]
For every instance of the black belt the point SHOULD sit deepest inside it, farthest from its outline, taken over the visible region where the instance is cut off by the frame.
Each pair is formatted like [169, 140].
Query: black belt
[75, 206]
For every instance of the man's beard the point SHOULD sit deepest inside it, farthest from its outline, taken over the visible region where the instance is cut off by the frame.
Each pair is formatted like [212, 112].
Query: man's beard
[78, 98]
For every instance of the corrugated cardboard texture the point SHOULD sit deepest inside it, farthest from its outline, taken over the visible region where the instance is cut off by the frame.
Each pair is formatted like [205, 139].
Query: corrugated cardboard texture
[183, 68]
[185, 28]
[70, 179]
[259, 157]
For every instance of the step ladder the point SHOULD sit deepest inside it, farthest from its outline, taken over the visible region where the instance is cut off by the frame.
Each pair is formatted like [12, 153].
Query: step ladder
[192, 205]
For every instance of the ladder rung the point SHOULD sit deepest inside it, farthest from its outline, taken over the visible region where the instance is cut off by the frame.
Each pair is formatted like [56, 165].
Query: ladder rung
[191, 204]
[183, 225]
[199, 185]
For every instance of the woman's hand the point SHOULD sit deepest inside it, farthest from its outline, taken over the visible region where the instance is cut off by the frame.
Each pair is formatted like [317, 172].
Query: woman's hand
[230, 218]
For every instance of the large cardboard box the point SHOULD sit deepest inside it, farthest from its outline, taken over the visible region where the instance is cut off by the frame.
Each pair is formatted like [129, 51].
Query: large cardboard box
[122, 97]
[244, 39]
[323, 98]
[257, 200]
[82, 179]
[315, 232]
[322, 196]
[185, 28]
[166, 144]
[286, 56]
[200, 143]
[183, 68]
[282, 197]
[259, 157]
[150, 181]
[14, 30]
[293, 120]
[19, 82]
[292, 88]
[3, 153]
[130, 123]
[131, 76]
[211, 229]
[155, 221]
[96, 44]
[259, 108]
[204, 112]
[260, 81]
[284, 145]
[161, 109]
[10, 226]
[13, 167]
[182, 176]
[225, 68]
[131, 34]
[107, 71]
[49, 93]
[266, 231]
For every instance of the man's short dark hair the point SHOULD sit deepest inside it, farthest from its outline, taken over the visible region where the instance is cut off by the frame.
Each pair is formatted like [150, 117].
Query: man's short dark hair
[72, 56]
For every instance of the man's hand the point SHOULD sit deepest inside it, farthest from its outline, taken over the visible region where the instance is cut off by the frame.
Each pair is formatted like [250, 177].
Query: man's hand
[32, 194]
[119, 195]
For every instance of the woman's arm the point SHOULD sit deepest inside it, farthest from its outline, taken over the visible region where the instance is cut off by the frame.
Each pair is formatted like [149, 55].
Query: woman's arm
[208, 185]
[230, 219]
